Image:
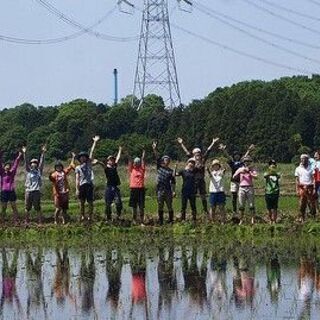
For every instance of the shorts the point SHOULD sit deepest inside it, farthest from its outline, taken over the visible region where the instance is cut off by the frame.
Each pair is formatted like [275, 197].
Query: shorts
[61, 201]
[137, 198]
[86, 192]
[234, 187]
[113, 194]
[33, 199]
[217, 198]
[272, 201]
[8, 196]
[246, 194]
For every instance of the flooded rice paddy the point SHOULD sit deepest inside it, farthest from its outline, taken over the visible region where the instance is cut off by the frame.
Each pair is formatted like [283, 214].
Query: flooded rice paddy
[169, 282]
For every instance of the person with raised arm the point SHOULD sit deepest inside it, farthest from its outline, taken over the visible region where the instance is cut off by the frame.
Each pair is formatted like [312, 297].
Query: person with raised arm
[235, 162]
[246, 175]
[34, 171]
[166, 184]
[8, 172]
[61, 189]
[84, 180]
[112, 192]
[199, 170]
[137, 170]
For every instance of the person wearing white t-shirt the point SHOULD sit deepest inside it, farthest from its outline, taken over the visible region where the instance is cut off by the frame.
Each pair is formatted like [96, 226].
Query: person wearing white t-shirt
[305, 187]
[216, 189]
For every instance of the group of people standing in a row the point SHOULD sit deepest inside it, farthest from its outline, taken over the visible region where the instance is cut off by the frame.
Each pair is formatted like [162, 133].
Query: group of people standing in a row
[193, 183]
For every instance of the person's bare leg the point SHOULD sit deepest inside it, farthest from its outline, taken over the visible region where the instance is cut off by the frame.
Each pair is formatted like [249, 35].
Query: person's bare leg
[63, 216]
[3, 211]
[82, 210]
[90, 210]
[56, 215]
[14, 212]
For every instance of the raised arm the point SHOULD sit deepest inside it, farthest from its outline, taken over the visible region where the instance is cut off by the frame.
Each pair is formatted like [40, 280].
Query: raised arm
[41, 162]
[155, 150]
[251, 147]
[184, 148]
[24, 152]
[71, 165]
[143, 155]
[214, 140]
[16, 162]
[1, 162]
[118, 155]
[95, 140]
[77, 183]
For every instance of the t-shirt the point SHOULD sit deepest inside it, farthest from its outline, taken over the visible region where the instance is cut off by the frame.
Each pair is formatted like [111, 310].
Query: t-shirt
[272, 182]
[165, 178]
[199, 168]
[216, 181]
[60, 181]
[188, 181]
[112, 175]
[33, 180]
[85, 173]
[137, 176]
[304, 174]
[7, 178]
[234, 166]
[246, 178]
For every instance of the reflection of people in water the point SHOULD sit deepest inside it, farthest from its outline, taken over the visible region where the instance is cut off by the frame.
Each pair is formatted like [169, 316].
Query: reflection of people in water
[87, 277]
[306, 285]
[194, 277]
[35, 284]
[273, 278]
[243, 283]
[9, 274]
[61, 286]
[113, 271]
[216, 281]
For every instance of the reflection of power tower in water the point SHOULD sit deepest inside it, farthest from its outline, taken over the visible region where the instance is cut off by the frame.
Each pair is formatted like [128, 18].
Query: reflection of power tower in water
[156, 70]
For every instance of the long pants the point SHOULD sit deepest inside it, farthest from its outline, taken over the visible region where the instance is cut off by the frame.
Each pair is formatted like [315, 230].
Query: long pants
[307, 197]
[184, 203]
[112, 194]
[164, 197]
[201, 189]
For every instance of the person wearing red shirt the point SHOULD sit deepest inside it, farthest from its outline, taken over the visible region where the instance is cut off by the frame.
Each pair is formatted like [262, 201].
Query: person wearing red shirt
[137, 171]
[317, 177]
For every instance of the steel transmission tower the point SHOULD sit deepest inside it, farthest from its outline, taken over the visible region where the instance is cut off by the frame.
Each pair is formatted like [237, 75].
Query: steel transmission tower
[156, 70]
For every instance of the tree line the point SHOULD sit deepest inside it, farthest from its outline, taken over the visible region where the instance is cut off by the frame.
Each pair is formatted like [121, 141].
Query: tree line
[280, 117]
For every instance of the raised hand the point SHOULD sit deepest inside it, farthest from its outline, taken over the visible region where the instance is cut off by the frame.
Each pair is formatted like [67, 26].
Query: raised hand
[96, 138]
[94, 161]
[19, 154]
[251, 147]
[24, 149]
[222, 147]
[73, 155]
[214, 140]
[154, 145]
[44, 148]
[180, 140]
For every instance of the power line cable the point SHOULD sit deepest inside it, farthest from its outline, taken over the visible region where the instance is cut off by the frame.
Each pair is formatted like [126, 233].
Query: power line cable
[241, 52]
[267, 42]
[56, 40]
[63, 17]
[258, 29]
[281, 17]
[289, 10]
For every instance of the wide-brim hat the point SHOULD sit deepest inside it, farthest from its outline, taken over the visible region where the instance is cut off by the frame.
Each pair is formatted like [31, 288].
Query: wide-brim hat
[215, 161]
[34, 160]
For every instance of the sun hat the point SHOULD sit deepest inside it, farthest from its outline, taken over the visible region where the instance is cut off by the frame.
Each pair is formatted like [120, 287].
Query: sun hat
[215, 161]
[34, 160]
[137, 160]
[196, 150]
[191, 160]
[165, 157]
[304, 155]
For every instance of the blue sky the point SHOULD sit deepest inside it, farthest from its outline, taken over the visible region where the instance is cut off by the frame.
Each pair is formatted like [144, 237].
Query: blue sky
[82, 67]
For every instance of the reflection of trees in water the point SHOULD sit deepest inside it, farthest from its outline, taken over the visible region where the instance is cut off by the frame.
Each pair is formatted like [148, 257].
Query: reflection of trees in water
[61, 285]
[34, 282]
[87, 277]
[9, 275]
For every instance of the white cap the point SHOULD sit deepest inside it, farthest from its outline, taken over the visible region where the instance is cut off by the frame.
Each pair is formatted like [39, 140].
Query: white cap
[196, 150]
[304, 155]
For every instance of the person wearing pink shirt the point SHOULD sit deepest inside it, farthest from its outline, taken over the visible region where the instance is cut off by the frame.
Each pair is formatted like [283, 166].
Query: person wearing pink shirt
[8, 194]
[246, 190]
[137, 171]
